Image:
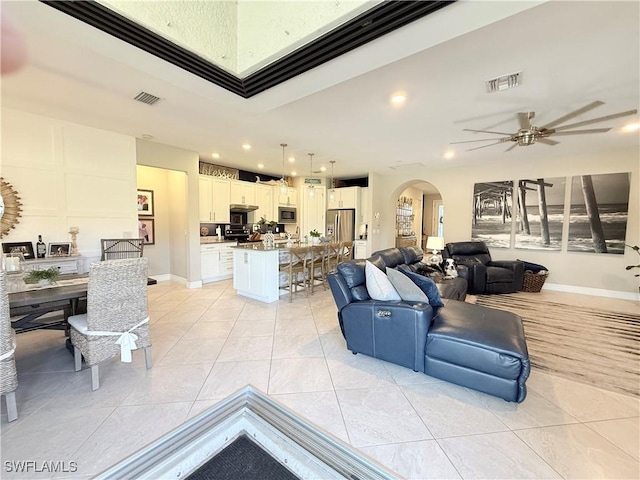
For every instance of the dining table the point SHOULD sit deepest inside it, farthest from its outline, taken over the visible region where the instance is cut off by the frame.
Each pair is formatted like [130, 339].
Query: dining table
[31, 307]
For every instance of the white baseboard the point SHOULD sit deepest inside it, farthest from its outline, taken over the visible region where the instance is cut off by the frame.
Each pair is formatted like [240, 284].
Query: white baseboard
[598, 292]
[161, 278]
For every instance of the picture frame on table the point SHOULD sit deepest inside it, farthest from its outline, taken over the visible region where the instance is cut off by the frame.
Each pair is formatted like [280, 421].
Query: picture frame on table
[59, 249]
[147, 230]
[145, 203]
[25, 248]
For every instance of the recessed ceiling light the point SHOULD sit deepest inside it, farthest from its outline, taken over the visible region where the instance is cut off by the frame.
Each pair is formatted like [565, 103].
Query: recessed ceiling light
[449, 154]
[292, 159]
[632, 127]
[323, 169]
[215, 155]
[261, 166]
[398, 98]
[246, 146]
[294, 173]
[146, 136]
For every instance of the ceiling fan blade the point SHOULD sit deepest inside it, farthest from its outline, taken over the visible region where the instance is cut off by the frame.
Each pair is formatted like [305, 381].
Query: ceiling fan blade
[500, 140]
[599, 119]
[524, 119]
[484, 146]
[484, 131]
[575, 113]
[580, 132]
[511, 147]
[546, 141]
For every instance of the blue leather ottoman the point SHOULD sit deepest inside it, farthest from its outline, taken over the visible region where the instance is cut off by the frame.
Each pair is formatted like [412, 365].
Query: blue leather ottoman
[480, 348]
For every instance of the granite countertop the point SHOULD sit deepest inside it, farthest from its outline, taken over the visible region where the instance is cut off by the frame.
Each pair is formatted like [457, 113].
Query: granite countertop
[204, 240]
[259, 247]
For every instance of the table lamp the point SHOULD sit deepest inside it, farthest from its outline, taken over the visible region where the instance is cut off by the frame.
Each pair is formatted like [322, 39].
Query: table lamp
[435, 244]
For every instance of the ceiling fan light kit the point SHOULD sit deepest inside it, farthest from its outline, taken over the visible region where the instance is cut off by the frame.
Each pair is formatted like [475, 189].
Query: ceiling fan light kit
[529, 134]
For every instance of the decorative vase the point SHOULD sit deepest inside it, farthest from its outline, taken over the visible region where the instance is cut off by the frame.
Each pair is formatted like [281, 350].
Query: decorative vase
[315, 240]
[269, 239]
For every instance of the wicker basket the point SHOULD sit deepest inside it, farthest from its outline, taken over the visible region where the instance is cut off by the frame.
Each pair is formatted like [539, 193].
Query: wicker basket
[533, 282]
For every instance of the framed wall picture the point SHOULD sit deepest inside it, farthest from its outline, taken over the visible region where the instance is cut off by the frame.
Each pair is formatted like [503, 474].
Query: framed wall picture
[492, 213]
[59, 249]
[146, 230]
[599, 212]
[145, 203]
[25, 248]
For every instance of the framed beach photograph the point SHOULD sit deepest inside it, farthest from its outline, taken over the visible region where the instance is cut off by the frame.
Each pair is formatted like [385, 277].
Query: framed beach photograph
[25, 248]
[493, 213]
[540, 213]
[59, 249]
[145, 203]
[146, 230]
[599, 212]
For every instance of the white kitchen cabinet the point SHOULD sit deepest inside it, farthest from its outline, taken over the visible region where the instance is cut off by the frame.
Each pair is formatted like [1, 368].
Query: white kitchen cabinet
[256, 274]
[243, 192]
[214, 195]
[289, 198]
[221, 200]
[360, 249]
[216, 261]
[206, 198]
[312, 211]
[346, 197]
[264, 201]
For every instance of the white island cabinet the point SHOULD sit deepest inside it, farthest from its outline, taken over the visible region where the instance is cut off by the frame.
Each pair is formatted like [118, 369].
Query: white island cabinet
[255, 272]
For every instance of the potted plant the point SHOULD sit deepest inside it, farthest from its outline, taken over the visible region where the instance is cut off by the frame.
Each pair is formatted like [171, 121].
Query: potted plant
[42, 277]
[315, 236]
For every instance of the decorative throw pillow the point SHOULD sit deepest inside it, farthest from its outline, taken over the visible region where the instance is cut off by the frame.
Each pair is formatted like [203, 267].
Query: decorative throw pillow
[405, 287]
[428, 286]
[378, 285]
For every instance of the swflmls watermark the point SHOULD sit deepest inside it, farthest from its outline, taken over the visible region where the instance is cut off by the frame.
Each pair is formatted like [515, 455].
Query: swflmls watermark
[35, 466]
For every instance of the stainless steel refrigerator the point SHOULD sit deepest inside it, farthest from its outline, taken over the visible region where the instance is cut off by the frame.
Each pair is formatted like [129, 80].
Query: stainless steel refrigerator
[341, 224]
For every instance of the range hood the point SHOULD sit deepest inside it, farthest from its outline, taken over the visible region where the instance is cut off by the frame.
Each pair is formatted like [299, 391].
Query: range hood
[242, 208]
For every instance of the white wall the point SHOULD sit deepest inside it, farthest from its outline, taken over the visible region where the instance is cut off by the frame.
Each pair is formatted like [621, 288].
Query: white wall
[158, 155]
[160, 253]
[604, 272]
[69, 175]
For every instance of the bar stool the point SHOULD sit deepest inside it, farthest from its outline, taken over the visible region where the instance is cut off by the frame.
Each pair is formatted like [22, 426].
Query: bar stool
[331, 258]
[298, 270]
[346, 251]
[317, 265]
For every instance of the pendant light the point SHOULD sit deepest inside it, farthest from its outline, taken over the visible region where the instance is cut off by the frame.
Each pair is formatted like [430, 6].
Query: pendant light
[311, 189]
[283, 182]
[331, 192]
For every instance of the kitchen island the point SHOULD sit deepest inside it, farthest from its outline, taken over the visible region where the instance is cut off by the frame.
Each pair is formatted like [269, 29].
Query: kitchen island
[256, 271]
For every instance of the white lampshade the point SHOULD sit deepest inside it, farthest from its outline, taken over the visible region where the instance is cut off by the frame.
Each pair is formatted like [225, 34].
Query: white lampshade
[435, 243]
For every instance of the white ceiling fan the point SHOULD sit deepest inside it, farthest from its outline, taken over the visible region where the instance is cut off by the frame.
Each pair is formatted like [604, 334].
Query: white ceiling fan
[529, 134]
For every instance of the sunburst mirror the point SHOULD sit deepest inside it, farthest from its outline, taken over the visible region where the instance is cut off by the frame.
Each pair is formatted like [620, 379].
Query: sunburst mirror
[12, 207]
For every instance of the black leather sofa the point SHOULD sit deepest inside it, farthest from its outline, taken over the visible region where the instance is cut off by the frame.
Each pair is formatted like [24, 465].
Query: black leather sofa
[411, 258]
[473, 346]
[483, 274]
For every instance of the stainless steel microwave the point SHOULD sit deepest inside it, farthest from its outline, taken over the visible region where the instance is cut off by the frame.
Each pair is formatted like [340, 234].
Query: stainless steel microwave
[287, 215]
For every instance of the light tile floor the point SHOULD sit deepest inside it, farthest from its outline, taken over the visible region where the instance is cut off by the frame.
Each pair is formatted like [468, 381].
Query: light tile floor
[209, 342]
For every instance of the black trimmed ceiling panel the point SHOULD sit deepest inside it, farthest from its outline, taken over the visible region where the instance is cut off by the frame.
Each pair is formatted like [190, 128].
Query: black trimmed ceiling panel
[379, 20]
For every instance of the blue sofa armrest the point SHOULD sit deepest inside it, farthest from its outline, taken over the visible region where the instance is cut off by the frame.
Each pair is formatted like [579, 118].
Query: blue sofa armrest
[392, 331]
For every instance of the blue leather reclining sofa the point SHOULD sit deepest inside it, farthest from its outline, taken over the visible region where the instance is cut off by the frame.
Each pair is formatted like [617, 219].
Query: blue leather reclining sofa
[470, 345]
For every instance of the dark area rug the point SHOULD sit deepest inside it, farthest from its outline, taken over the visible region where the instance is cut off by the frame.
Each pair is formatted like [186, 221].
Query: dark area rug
[597, 347]
[242, 459]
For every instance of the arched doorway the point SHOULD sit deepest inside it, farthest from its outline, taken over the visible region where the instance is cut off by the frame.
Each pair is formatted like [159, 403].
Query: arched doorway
[422, 202]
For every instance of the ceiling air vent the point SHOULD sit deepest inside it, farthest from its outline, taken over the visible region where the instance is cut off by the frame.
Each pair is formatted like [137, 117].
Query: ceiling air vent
[147, 98]
[505, 82]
